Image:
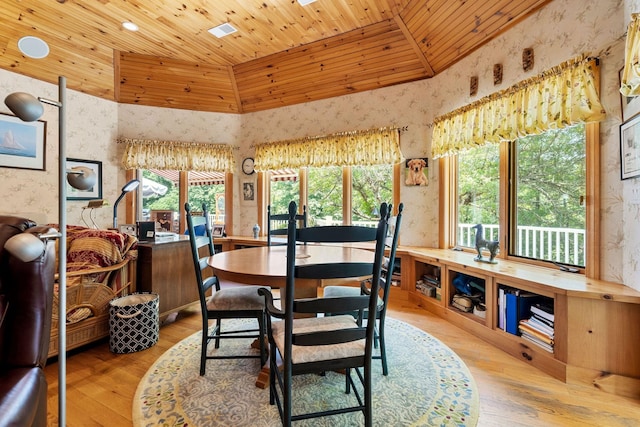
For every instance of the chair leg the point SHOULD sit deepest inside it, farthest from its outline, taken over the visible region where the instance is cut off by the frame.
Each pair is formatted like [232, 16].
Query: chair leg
[368, 398]
[203, 346]
[383, 348]
[273, 366]
[219, 329]
[262, 332]
[287, 397]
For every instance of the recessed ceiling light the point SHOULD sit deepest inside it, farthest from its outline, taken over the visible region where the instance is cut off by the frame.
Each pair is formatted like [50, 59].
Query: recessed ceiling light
[222, 30]
[130, 26]
[305, 2]
[33, 47]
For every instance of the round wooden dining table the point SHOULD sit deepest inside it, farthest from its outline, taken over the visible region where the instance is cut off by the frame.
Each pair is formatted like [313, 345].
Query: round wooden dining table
[266, 265]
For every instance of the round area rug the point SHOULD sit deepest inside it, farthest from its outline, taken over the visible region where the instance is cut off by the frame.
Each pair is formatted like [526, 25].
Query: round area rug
[427, 385]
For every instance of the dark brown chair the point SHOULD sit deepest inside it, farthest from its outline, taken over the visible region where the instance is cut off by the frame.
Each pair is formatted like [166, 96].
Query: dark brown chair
[391, 243]
[321, 344]
[240, 302]
[277, 223]
[26, 299]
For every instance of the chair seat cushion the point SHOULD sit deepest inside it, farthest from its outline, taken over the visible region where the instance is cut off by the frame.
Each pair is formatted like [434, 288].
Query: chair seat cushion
[306, 354]
[237, 298]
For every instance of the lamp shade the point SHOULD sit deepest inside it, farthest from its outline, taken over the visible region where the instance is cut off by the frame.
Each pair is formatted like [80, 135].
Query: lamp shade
[25, 106]
[81, 177]
[25, 246]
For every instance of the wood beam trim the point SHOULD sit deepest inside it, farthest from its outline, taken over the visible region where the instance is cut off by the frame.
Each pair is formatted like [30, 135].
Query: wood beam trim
[234, 87]
[414, 45]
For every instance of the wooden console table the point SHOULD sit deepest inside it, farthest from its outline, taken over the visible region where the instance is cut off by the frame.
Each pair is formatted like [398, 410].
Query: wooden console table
[165, 267]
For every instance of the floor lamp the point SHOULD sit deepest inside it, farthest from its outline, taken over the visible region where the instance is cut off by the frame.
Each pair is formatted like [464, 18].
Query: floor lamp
[128, 187]
[28, 108]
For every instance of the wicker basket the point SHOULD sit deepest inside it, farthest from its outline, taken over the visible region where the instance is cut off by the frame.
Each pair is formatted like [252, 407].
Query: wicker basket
[134, 322]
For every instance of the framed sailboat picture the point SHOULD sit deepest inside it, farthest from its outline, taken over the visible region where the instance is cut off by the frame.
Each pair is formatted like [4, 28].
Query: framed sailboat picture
[22, 144]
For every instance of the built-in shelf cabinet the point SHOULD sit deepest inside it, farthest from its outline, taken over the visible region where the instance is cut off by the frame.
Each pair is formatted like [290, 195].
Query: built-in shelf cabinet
[594, 341]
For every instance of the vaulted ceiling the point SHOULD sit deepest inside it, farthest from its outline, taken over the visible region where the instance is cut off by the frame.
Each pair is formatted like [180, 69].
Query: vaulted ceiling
[282, 53]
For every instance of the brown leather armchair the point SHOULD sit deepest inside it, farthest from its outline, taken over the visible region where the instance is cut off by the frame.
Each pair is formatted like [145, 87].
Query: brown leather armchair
[26, 297]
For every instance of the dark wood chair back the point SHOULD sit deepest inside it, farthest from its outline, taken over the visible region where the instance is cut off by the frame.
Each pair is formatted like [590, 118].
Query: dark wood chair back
[277, 223]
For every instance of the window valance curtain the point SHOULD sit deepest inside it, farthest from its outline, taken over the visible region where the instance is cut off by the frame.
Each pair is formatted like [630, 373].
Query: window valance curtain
[630, 83]
[564, 95]
[369, 147]
[173, 155]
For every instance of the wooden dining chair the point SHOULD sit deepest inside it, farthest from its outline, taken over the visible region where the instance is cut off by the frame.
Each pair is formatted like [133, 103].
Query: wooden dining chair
[277, 223]
[240, 302]
[321, 344]
[391, 242]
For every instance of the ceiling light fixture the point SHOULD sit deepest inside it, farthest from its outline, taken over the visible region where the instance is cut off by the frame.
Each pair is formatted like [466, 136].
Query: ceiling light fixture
[33, 47]
[305, 2]
[222, 30]
[130, 26]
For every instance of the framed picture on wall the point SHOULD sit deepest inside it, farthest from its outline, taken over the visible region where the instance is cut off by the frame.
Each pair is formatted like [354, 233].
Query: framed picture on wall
[630, 148]
[22, 144]
[629, 105]
[416, 172]
[248, 191]
[94, 192]
[217, 231]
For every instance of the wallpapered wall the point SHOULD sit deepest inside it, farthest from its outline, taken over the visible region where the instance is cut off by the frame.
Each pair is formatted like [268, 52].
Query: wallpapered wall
[92, 127]
[560, 31]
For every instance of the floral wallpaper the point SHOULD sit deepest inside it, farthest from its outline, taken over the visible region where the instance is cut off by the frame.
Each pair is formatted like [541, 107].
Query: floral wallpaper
[92, 127]
[559, 31]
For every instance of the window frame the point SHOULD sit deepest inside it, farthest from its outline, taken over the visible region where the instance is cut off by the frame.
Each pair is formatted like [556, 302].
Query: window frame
[134, 204]
[264, 189]
[448, 190]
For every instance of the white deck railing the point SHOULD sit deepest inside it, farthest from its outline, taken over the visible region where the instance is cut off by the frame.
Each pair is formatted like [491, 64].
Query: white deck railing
[564, 245]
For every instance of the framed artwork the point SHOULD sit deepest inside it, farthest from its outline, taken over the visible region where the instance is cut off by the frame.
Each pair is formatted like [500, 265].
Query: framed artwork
[630, 148]
[416, 172]
[129, 229]
[217, 231]
[163, 219]
[94, 192]
[629, 105]
[22, 144]
[248, 191]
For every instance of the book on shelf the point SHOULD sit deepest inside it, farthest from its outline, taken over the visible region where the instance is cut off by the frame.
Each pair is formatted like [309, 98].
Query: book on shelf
[543, 310]
[525, 328]
[501, 308]
[538, 324]
[518, 306]
[537, 342]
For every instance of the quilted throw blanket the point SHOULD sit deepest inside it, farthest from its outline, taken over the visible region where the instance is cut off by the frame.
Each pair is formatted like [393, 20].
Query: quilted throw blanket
[89, 248]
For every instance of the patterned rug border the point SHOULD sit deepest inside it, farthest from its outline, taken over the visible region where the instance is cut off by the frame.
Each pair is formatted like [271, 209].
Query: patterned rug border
[456, 402]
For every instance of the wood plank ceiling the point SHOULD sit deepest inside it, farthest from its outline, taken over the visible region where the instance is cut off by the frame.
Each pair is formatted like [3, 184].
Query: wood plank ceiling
[282, 54]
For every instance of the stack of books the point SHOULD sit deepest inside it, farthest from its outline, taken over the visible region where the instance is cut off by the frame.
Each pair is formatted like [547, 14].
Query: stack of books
[539, 329]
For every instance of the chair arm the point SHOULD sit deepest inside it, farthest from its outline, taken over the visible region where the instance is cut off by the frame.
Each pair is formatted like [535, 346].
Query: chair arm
[272, 310]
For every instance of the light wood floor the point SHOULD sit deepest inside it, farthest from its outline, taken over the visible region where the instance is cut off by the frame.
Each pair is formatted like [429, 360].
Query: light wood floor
[101, 385]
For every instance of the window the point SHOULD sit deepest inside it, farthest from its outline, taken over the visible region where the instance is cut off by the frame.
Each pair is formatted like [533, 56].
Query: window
[478, 193]
[370, 186]
[161, 198]
[284, 187]
[325, 196]
[550, 189]
[358, 190]
[530, 196]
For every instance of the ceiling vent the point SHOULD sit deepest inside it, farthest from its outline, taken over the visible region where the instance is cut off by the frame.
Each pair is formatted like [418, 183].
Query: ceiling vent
[223, 30]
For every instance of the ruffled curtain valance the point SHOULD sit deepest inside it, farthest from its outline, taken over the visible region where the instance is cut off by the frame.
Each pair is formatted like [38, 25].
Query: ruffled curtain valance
[370, 147]
[562, 96]
[630, 82]
[173, 155]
